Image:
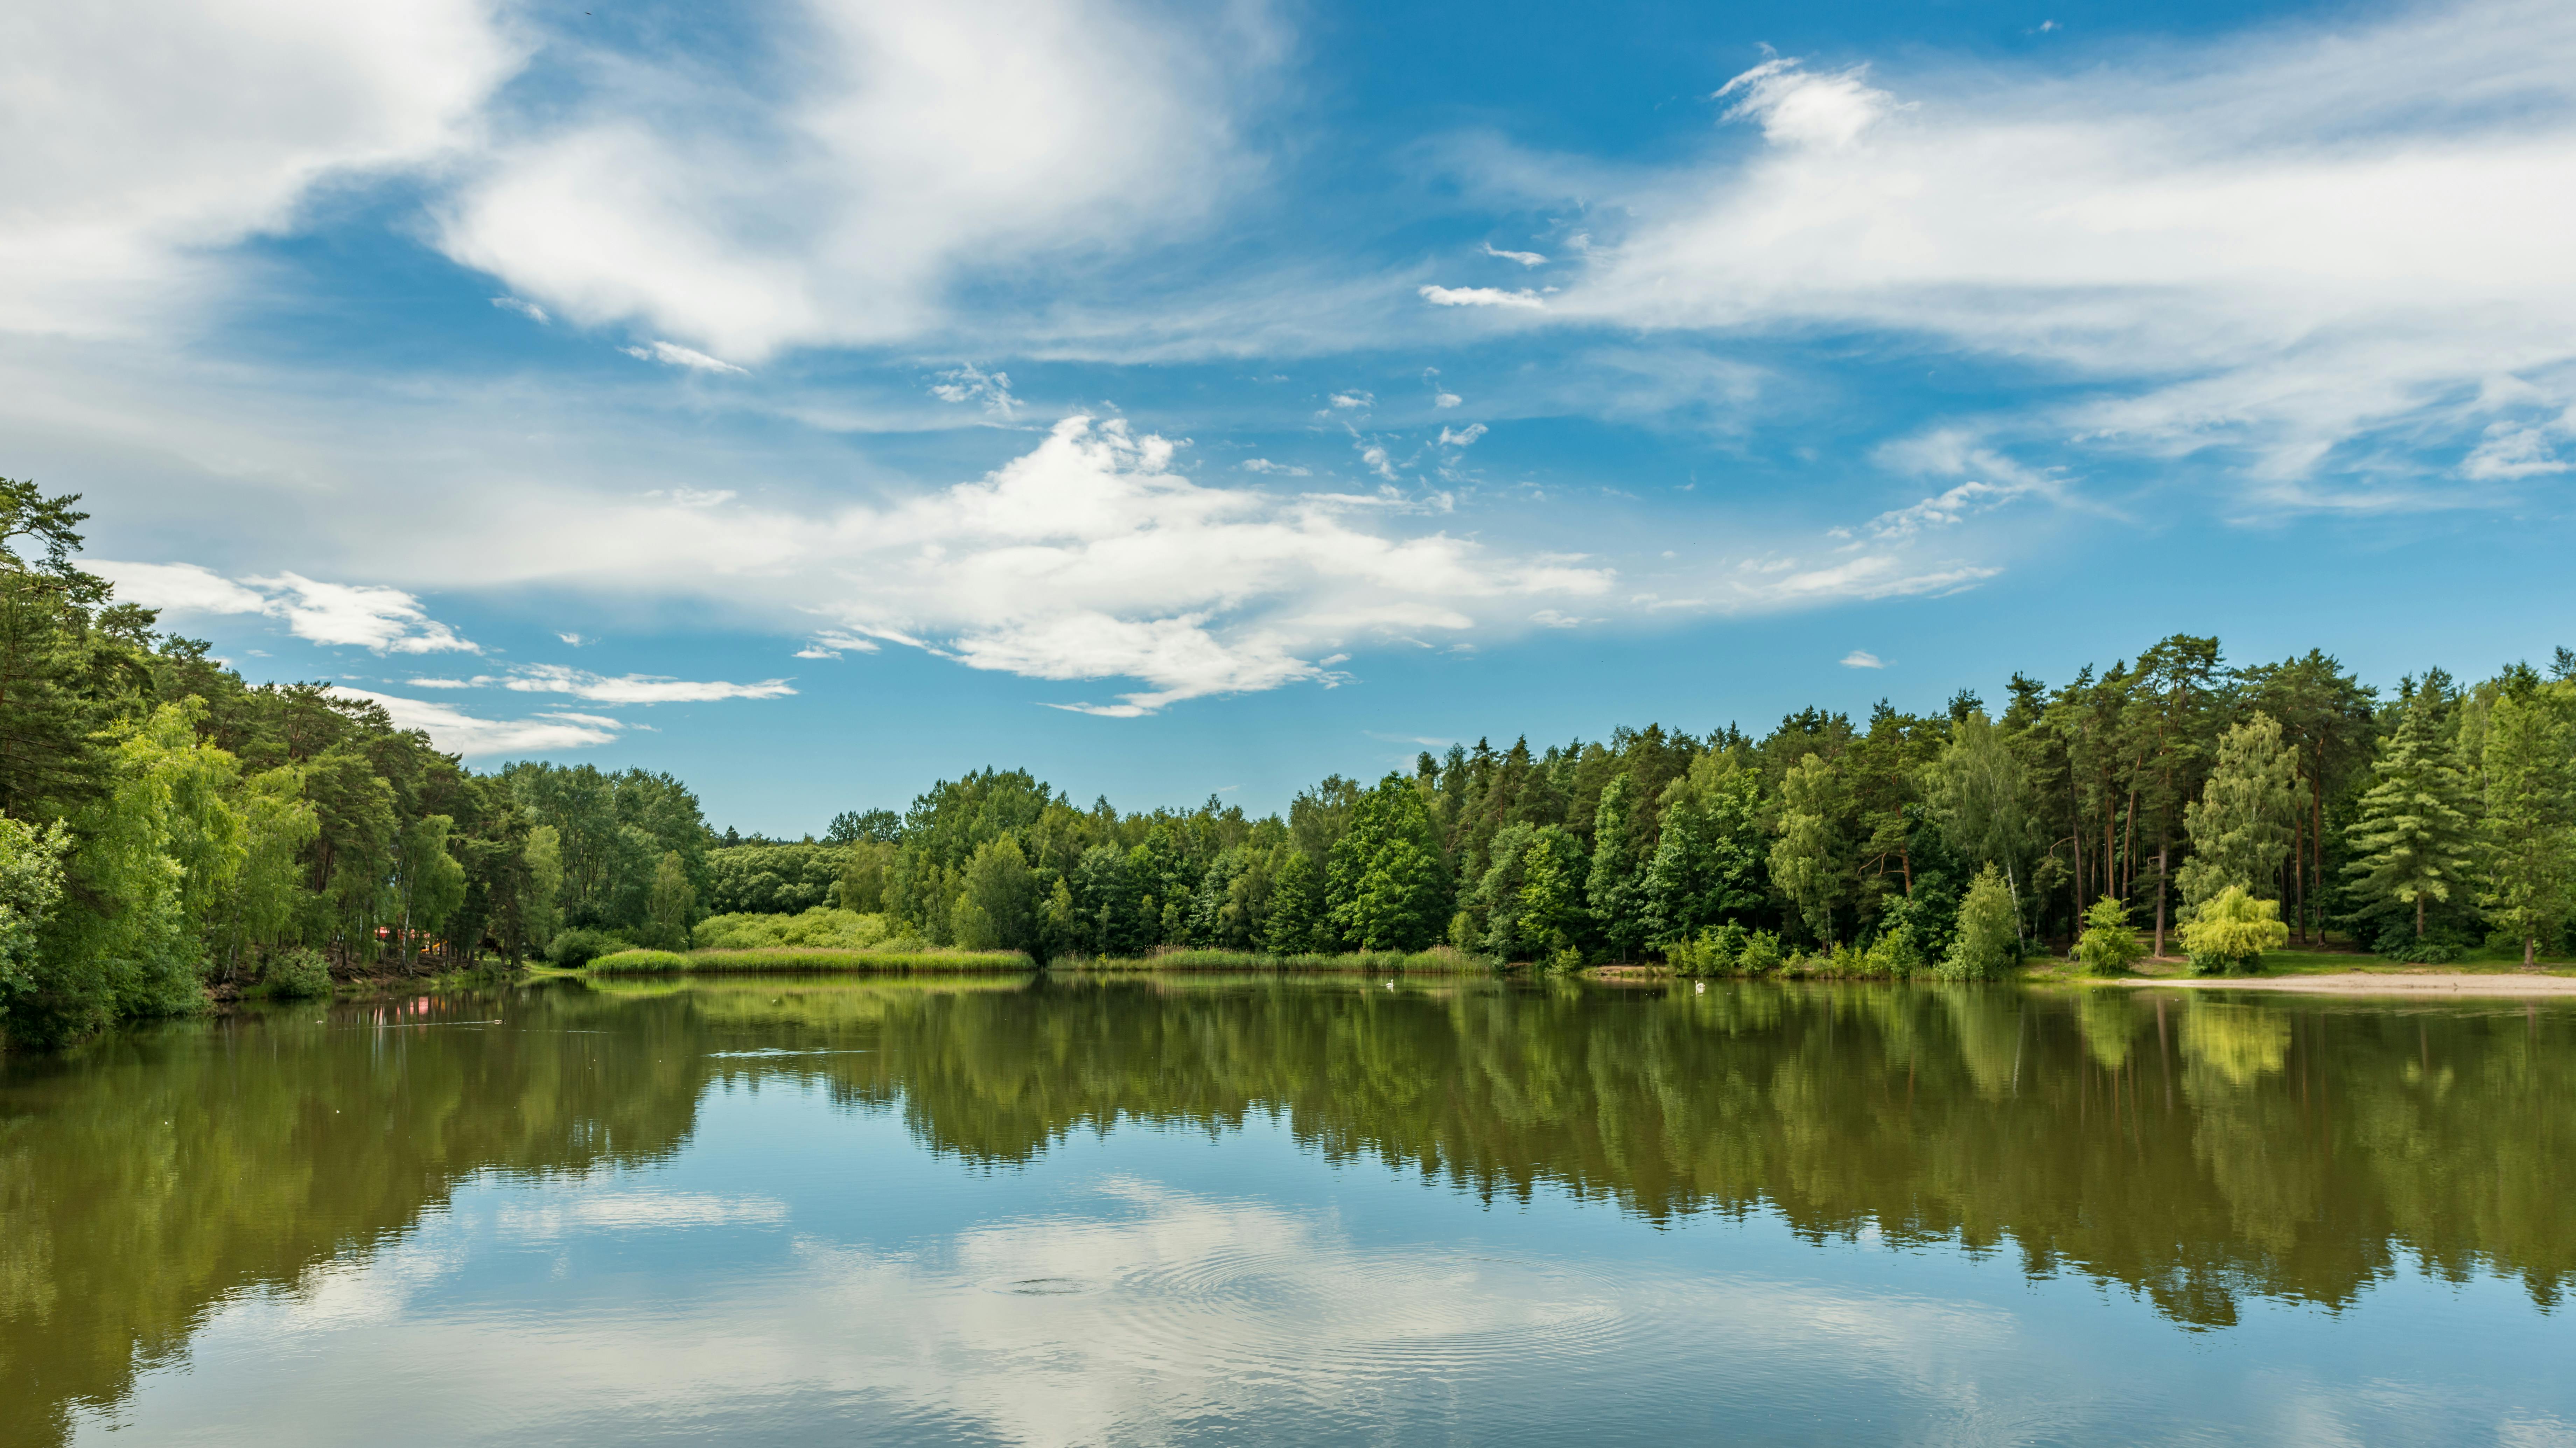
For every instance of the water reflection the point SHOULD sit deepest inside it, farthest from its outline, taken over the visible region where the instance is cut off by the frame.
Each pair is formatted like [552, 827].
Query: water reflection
[2200, 1153]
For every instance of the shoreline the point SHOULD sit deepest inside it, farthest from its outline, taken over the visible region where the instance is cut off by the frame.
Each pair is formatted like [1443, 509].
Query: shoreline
[2357, 982]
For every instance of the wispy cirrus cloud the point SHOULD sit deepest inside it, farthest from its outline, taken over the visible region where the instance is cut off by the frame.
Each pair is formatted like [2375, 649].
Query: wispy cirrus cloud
[352, 615]
[457, 732]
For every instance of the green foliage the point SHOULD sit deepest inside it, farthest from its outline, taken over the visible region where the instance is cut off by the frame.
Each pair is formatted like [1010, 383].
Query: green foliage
[785, 879]
[2528, 830]
[2241, 827]
[1386, 887]
[1989, 939]
[2231, 932]
[2413, 839]
[669, 906]
[876, 826]
[1812, 860]
[816, 928]
[2110, 946]
[1760, 955]
[581, 945]
[31, 886]
[1895, 954]
[997, 902]
[297, 972]
[1530, 897]
[789, 961]
[1615, 890]
[1438, 960]
[1708, 864]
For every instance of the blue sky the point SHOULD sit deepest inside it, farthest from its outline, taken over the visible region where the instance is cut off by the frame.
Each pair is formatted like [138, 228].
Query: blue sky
[814, 399]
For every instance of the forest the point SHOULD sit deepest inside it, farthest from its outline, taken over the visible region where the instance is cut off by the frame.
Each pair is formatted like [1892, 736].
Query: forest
[168, 830]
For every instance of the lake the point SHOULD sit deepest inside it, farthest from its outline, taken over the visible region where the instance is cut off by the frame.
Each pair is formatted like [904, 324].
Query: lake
[1297, 1210]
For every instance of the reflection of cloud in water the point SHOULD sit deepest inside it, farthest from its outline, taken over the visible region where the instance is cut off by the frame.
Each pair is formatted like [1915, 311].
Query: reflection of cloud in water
[555, 1215]
[1171, 1308]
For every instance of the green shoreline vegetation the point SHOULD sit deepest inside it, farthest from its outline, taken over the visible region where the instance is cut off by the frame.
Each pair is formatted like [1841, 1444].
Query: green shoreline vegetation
[170, 833]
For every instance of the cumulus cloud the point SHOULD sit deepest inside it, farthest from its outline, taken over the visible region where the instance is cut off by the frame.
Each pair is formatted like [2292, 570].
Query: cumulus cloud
[1091, 557]
[672, 354]
[1525, 258]
[1462, 437]
[1862, 659]
[1480, 297]
[1446, 400]
[147, 134]
[458, 732]
[834, 195]
[2288, 244]
[1354, 400]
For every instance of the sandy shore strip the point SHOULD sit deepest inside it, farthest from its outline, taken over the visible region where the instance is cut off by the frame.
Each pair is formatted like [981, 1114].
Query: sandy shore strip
[2374, 982]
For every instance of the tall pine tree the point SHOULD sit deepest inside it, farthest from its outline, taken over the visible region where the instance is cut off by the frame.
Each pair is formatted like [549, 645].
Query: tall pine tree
[2530, 821]
[2411, 842]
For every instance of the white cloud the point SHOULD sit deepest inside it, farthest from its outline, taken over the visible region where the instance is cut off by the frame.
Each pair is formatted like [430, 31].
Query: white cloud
[1462, 437]
[1377, 459]
[1480, 297]
[2287, 243]
[1550, 618]
[447, 683]
[672, 354]
[2510, 452]
[1446, 400]
[1525, 258]
[527, 309]
[1797, 108]
[575, 639]
[1350, 400]
[457, 732]
[1862, 659]
[833, 195]
[1265, 465]
[635, 688]
[181, 588]
[358, 615]
[970, 383]
[1091, 558]
[146, 135]
[1941, 510]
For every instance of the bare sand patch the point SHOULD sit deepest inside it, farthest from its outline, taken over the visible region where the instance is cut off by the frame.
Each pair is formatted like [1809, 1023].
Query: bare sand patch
[2380, 982]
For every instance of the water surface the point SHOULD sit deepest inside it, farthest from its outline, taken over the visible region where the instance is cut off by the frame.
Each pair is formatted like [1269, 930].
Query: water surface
[1297, 1211]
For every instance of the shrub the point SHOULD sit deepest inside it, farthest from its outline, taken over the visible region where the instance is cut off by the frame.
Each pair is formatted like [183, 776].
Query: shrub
[1989, 939]
[2401, 944]
[784, 961]
[2231, 932]
[581, 945]
[295, 974]
[1761, 954]
[2110, 946]
[815, 928]
[1894, 954]
[1714, 952]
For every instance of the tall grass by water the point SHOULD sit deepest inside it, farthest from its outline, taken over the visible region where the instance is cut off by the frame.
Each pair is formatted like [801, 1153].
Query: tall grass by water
[1439, 960]
[784, 958]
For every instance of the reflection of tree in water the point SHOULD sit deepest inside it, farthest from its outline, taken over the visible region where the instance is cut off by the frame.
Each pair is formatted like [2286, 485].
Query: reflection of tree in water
[154, 1174]
[2194, 1150]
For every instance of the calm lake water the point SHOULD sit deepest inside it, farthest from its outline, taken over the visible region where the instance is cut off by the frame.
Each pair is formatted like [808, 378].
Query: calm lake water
[1298, 1211]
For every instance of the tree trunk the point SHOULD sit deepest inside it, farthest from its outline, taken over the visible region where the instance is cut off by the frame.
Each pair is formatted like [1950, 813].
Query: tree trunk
[2419, 916]
[2299, 876]
[2161, 852]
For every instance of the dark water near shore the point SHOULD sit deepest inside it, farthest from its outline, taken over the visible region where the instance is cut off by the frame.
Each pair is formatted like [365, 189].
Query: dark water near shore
[1298, 1211]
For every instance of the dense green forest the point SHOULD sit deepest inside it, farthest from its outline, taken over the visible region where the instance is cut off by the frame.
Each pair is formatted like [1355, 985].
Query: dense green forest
[166, 827]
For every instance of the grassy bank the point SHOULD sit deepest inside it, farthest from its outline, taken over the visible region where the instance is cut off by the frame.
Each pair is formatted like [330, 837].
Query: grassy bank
[788, 958]
[1439, 961]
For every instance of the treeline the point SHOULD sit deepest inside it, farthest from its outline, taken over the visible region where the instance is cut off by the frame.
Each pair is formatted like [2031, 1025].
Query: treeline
[2134, 797]
[165, 826]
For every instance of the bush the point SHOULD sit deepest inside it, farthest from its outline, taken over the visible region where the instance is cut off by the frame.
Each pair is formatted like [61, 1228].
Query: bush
[1894, 954]
[2231, 932]
[1714, 952]
[2400, 943]
[815, 928]
[581, 945]
[1989, 939]
[2110, 945]
[786, 961]
[296, 974]
[1761, 954]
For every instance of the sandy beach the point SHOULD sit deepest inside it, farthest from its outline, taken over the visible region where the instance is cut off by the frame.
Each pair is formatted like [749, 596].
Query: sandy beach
[2360, 982]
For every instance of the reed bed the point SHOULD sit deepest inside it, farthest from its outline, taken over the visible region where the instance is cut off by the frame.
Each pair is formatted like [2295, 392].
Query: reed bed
[790, 959]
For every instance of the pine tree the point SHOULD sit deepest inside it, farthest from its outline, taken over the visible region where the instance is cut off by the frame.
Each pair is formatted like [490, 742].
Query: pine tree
[2411, 841]
[2526, 832]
